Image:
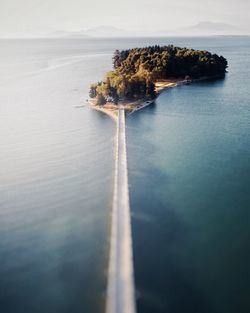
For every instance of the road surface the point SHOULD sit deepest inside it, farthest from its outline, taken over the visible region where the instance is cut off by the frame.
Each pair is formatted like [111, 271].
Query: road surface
[121, 290]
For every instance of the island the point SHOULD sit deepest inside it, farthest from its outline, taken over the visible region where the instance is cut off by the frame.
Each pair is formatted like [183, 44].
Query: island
[140, 74]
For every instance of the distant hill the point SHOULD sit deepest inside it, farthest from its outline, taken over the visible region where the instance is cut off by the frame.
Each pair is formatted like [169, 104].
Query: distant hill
[107, 31]
[65, 34]
[210, 28]
[100, 31]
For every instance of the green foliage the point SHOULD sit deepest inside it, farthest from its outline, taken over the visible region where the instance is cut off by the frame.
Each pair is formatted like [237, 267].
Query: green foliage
[136, 70]
[100, 99]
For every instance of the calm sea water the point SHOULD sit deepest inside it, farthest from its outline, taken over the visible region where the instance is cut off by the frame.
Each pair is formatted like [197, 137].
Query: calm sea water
[56, 178]
[189, 172]
[189, 167]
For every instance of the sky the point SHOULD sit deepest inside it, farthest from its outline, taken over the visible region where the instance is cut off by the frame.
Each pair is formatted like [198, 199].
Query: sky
[36, 17]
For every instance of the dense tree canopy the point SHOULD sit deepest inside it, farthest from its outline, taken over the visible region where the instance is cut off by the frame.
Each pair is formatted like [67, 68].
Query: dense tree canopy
[136, 70]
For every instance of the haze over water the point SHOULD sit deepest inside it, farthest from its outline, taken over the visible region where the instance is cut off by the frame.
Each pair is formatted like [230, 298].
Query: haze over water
[188, 158]
[56, 178]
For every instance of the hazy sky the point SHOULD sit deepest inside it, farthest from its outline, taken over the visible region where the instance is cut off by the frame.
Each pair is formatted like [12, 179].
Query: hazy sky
[41, 16]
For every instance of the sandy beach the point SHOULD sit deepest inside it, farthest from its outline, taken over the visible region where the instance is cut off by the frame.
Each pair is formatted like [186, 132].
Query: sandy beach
[109, 108]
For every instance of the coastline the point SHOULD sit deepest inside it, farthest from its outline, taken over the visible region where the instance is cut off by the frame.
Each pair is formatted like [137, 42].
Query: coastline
[113, 113]
[161, 85]
[130, 107]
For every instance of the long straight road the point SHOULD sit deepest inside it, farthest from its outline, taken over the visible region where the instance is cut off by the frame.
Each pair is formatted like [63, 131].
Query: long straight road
[121, 290]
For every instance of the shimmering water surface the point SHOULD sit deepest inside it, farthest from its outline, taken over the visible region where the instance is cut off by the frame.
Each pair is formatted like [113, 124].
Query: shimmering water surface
[189, 167]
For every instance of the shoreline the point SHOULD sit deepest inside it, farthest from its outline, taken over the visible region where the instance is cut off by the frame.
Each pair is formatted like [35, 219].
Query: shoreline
[112, 113]
[130, 107]
[160, 87]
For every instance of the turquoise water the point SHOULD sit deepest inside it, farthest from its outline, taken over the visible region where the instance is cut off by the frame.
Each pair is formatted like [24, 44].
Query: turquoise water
[188, 159]
[189, 166]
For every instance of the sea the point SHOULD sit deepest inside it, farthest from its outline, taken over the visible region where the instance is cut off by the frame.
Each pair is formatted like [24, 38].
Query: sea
[189, 182]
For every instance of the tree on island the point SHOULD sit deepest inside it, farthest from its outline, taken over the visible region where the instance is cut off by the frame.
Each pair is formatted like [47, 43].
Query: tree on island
[136, 71]
[101, 100]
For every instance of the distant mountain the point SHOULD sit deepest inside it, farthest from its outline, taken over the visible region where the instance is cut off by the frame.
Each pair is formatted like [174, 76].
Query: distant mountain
[62, 34]
[100, 31]
[210, 28]
[200, 29]
[107, 31]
